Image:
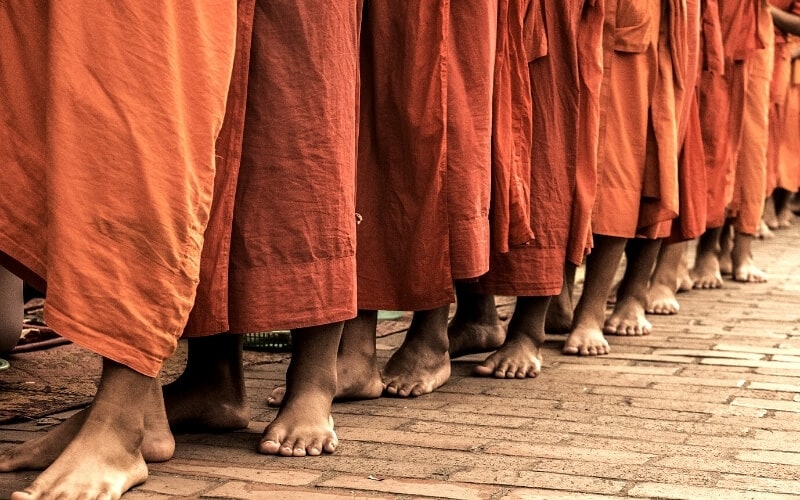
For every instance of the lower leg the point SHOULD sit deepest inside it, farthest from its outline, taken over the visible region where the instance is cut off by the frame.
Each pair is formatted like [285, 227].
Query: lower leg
[560, 309]
[586, 337]
[520, 355]
[628, 317]
[744, 267]
[210, 394]
[11, 310]
[304, 425]
[422, 364]
[475, 327]
[357, 374]
[104, 458]
[784, 215]
[706, 273]
[666, 279]
[725, 248]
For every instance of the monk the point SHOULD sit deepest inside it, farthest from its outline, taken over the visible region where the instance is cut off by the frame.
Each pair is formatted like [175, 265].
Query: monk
[563, 64]
[735, 107]
[120, 190]
[783, 172]
[637, 164]
[424, 174]
[671, 272]
[298, 151]
[424, 180]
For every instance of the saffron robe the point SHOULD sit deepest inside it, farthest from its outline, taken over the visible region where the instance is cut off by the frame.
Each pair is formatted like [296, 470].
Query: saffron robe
[109, 120]
[563, 45]
[424, 167]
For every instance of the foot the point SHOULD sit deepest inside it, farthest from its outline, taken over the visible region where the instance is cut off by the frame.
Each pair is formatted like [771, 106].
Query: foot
[354, 383]
[785, 219]
[661, 299]
[302, 427]
[744, 268]
[747, 272]
[104, 459]
[685, 280]
[586, 341]
[518, 358]
[559, 317]
[706, 273]
[200, 404]
[158, 444]
[472, 337]
[628, 318]
[765, 231]
[416, 369]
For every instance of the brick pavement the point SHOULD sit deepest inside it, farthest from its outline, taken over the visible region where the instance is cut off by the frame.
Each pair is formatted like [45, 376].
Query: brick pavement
[708, 406]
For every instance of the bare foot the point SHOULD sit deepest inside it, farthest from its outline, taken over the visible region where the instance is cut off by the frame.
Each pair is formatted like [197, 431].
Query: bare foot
[471, 338]
[628, 318]
[519, 357]
[586, 341]
[158, 444]
[744, 266]
[785, 219]
[357, 374]
[209, 396]
[706, 273]
[764, 231]
[422, 364]
[300, 429]
[661, 299]
[104, 458]
[685, 281]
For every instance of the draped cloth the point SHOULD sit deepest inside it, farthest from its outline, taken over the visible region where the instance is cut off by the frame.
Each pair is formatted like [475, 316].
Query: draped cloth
[425, 150]
[109, 118]
[563, 47]
[637, 157]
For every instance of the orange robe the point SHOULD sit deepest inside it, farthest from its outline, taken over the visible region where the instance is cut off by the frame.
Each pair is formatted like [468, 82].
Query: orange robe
[424, 172]
[563, 45]
[109, 118]
[732, 101]
[751, 107]
[691, 220]
[637, 157]
[783, 155]
[281, 247]
[788, 168]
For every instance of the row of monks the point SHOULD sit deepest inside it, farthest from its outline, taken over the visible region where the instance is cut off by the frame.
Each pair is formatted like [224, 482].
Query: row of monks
[240, 166]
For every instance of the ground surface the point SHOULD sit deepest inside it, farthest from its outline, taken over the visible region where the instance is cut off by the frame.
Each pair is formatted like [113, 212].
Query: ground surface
[708, 406]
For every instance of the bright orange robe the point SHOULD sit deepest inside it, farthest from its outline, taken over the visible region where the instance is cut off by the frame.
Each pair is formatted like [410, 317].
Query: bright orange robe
[564, 50]
[281, 250]
[424, 173]
[691, 220]
[783, 156]
[751, 111]
[637, 158]
[109, 116]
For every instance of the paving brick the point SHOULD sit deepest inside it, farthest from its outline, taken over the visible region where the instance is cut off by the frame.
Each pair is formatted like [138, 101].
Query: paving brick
[751, 483]
[255, 491]
[749, 349]
[769, 386]
[418, 488]
[175, 485]
[549, 432]
[674, 491]
[543, 494]
[709, 353]
[730, 466]
[568, 453]
[639, 370]
[791, 406]
[259, 475]
[427, 440]
[563, 482]
[774, 457]
[687, 394]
